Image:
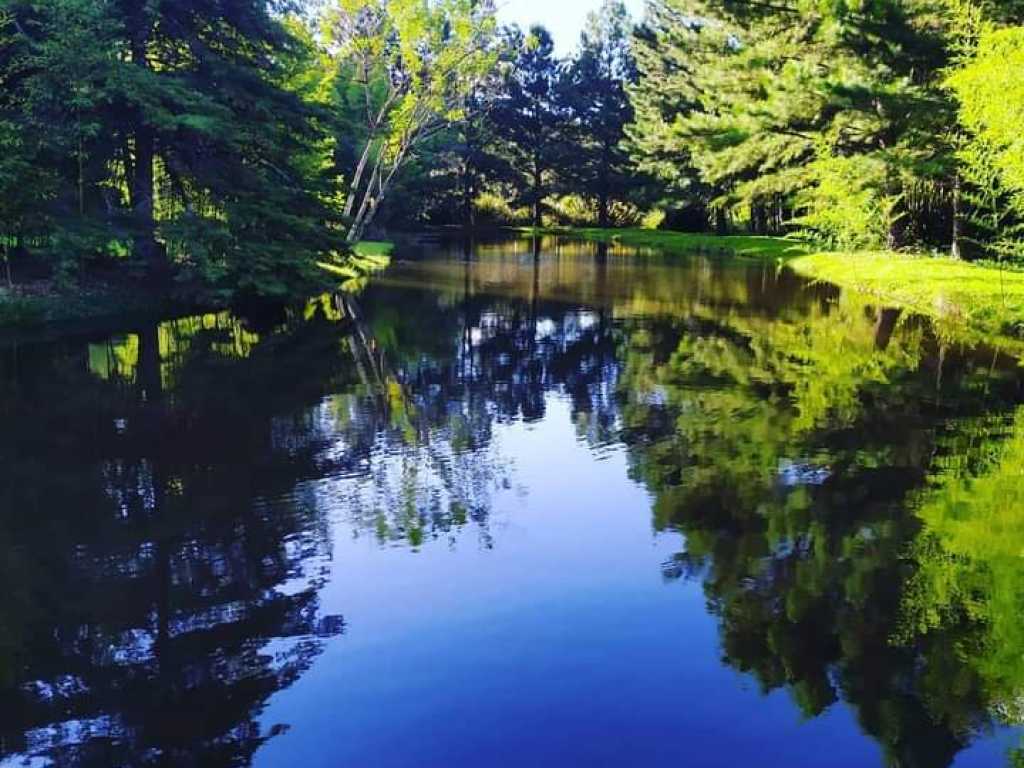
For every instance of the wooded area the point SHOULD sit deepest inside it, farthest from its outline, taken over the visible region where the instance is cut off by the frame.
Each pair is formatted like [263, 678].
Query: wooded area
[226, 150]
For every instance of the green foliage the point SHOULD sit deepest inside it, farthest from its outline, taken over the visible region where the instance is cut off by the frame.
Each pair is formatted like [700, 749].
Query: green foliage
[736, 102]
[991, 96]
[19, 310]
[496, 209]
[846, 206]
[167, 131]
[593, 90]
[969, 576]
[579, 211]
[417, 64]
[530, 120]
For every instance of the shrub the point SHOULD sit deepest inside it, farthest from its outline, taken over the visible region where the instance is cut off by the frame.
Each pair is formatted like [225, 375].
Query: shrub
[846, 207]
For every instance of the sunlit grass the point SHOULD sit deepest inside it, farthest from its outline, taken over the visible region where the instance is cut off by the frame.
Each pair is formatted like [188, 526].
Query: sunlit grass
[686, 242]
[369, 257]
[984, 298]
[373, 249]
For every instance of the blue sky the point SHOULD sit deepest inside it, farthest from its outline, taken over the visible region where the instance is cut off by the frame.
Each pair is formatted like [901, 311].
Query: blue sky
[563, 17]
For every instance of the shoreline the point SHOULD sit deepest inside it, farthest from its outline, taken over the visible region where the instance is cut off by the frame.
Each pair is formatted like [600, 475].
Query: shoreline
[986, 301]
[670, 241]
[975, 302]
[99, 304]
[972, 302]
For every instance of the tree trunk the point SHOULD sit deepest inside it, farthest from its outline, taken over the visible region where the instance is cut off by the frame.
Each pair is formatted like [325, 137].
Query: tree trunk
[894, 238]
[374, 125]
[468, 197]
[142, 183]
[142, 195]
[371, 204]
[353, 188]
[538, 209]
[603, 189]
[355, 233]
[954, 248]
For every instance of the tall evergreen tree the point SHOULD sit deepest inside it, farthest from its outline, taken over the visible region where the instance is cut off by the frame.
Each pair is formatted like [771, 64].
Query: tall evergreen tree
[170, 131]
[531, 120]
[594, 92]
[784, 106]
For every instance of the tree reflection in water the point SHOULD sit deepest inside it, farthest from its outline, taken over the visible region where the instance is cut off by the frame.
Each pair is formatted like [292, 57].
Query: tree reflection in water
[845, 482]
[168, 497]
[789, 452]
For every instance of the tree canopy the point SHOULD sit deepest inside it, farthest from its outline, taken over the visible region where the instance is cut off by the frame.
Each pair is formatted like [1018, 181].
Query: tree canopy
[231, 150]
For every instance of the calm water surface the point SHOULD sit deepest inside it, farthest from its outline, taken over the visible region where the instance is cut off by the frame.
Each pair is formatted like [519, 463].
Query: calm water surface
[517, 504]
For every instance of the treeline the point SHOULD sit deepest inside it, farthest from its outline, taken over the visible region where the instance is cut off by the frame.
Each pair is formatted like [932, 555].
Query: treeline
[227, 149]
[218, 149]
[891, 123]
[233, 149]
[543, 142]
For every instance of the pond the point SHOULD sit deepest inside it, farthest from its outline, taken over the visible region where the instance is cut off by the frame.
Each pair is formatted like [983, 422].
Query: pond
[519, 503]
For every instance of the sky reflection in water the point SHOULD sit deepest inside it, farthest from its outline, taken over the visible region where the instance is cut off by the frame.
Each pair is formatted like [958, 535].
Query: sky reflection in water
[554, 504]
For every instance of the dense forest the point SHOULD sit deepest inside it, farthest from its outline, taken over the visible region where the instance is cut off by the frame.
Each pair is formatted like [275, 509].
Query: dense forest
[221, 150]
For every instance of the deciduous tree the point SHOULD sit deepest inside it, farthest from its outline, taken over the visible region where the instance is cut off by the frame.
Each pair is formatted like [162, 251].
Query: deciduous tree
[417, 64]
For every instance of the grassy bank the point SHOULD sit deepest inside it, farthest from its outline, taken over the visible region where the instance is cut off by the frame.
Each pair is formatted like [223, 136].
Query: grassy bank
[746, 246]
[374, 249]
[975, 303]
[985, 299]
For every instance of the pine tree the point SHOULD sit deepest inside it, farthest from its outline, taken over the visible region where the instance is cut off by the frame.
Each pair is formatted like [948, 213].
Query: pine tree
[171, 134]
[594, 92]
[531, 120]
[769, 97]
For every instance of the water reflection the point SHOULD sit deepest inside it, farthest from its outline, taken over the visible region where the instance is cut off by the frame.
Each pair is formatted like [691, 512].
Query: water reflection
[846, 483]
[161, 583]
[789, 452]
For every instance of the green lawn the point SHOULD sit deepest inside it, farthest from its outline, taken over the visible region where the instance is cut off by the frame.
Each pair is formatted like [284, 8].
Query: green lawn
[984, 298]
[373, 249]
[685, 242]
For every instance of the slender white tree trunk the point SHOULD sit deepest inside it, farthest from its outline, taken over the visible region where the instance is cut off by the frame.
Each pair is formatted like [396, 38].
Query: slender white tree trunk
[357, 178]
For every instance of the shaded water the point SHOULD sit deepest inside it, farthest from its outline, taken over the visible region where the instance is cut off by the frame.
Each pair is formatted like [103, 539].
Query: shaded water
[519, 504]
